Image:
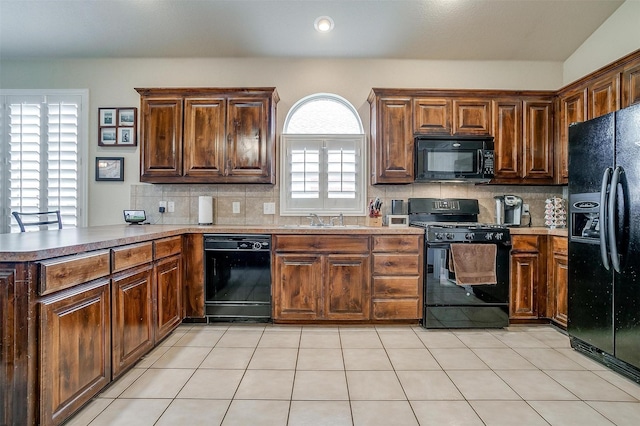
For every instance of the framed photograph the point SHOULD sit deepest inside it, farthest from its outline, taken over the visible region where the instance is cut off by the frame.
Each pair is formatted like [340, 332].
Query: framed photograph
[107, 136]
[126, 136]
[117, 126]
[110, 168]
[107, 116]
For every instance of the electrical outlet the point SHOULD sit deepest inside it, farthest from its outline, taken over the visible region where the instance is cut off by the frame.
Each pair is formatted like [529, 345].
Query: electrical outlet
[236, 207]
[162, 206]
[171, 206]
[269, 208]
[525, 208]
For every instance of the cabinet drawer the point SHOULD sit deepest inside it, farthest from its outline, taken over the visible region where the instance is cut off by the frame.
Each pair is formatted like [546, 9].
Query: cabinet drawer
[64, 272]
[396, 264]
[560, 245]
[525, 243]
[396, 287]
[321, 244]
[396, 309]
[400, 243]
[131, 255]
[167, 247]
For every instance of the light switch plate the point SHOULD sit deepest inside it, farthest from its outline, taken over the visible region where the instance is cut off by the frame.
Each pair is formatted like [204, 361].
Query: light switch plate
[269, 208]
[235, 207]
[171, 206]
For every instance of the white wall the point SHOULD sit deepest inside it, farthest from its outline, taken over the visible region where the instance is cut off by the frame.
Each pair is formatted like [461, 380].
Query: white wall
[617, 36]
[111, 83]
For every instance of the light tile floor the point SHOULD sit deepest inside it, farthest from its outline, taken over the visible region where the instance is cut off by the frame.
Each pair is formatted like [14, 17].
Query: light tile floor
[390, 375]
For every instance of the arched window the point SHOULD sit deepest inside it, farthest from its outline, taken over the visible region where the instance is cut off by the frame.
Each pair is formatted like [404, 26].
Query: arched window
[322, 158]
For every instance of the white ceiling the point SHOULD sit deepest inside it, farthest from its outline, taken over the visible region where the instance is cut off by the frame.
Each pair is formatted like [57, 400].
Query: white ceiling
[538, 30]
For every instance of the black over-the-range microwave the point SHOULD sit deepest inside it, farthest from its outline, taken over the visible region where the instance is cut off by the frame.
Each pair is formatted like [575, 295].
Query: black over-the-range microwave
[454, 159]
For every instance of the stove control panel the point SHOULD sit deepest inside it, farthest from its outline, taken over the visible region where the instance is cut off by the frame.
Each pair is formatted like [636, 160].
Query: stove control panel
[467, 235]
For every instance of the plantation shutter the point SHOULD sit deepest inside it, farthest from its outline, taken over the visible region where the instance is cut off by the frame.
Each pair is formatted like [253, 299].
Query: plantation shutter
[42, 155]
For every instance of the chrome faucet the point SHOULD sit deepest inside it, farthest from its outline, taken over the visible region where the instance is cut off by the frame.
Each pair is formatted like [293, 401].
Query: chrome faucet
[340, 218]
[313, 218]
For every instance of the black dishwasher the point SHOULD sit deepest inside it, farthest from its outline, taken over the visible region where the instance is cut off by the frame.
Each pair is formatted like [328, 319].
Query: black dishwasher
[237, 277]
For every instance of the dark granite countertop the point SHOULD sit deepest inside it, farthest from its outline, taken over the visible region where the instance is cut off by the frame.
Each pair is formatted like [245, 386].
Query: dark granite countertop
[33, 246]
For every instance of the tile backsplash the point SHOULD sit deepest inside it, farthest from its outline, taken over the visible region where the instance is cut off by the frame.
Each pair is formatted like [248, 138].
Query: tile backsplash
[251, 199]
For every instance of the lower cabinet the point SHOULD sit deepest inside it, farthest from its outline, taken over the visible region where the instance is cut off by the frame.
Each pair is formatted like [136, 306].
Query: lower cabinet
[321, 277]
[525, 277]
[558, 281]
[132, 313]
[539, 278]
[168, 295]
[397, 277]
[75, 349]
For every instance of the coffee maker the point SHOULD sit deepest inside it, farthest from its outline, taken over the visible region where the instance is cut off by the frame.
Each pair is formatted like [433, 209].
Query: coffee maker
[508, 210]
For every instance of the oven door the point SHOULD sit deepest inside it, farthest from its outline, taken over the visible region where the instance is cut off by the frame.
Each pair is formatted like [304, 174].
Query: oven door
[449, 305]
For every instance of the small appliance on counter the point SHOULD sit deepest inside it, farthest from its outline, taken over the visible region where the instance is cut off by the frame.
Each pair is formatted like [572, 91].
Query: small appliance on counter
[555, 213]
[508, 210]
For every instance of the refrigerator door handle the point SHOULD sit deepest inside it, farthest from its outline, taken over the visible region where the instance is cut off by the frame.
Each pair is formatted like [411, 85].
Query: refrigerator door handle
[611, 226]
[604, 253]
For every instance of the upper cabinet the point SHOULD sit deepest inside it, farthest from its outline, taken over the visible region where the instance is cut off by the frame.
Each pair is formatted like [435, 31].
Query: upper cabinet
[521, 124]
[208, 135]
[606, 90]
[392, 153]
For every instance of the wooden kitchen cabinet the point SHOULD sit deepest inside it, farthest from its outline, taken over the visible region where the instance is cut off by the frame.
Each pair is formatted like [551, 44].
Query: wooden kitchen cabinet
[528, 283]
[212, 135]
[558, 281]
[397, 267]
[631, 84]
[132, 316]
[392, 147]
[507, 137]
[603, 95]
[572, 108]
[321, 277]
[471, 116]
[75, 349]
[538, 141]
[432, 116]
[167, 273]
[132, 304]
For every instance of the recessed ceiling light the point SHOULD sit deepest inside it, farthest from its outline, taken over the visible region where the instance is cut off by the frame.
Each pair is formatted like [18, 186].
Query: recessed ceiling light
[323, 24]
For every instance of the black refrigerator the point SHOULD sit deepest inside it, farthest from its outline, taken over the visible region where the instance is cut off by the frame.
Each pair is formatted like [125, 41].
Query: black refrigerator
[604, 239]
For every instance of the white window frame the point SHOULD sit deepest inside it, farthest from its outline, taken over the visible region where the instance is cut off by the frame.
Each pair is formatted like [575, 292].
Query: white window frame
[82, 147]
[323, 205]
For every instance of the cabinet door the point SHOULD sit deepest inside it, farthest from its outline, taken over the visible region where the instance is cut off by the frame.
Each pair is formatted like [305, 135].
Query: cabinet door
[297, 287]
[573, 109]
[604, 96]
[471, 116]
[168, 281]
[249, 153]
[507, 132]
[631, 85]
[75, 343]
[558, 281]
[346, 295]
[538, 141]
[524, 278]
[132, 317]
[204, 137]
[392, 148]
[161, 136]
[432, 116]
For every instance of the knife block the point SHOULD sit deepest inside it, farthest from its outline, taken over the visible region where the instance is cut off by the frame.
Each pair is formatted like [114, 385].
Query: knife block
[374, 221]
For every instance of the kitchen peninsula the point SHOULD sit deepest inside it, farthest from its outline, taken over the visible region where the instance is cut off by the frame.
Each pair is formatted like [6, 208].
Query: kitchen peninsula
[81, 306]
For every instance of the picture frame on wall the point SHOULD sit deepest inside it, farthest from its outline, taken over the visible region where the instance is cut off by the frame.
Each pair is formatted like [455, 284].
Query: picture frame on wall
[110, 169]
[117, 126]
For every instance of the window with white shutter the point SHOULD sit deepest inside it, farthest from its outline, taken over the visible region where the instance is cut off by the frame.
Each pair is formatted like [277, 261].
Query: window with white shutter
[322, 158]
[42, 148]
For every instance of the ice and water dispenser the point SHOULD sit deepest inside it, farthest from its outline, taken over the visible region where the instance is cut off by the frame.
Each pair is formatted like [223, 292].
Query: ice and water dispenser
[584, 211]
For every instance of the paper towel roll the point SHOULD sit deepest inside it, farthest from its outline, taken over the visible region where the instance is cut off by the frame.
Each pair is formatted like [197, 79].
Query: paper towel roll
[205, 210]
